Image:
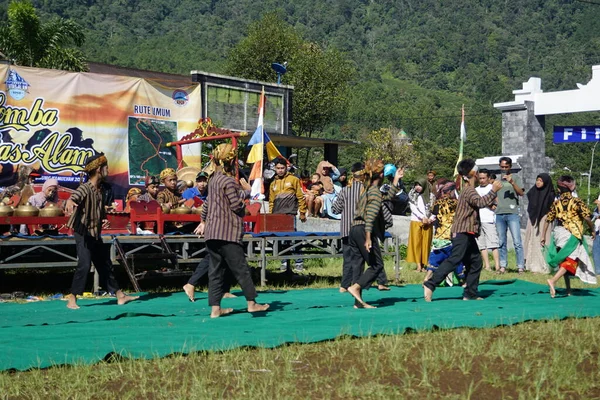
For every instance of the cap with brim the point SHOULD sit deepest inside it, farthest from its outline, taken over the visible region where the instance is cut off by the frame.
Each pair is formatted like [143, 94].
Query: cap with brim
[201, 174]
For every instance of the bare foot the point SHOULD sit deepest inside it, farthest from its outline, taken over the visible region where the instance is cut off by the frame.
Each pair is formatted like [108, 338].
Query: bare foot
[124, 299]
[427, 293]
[72, 302]
[229, 296]
[365, 305]
[255, 307]
[219, 312]
[382, 288]
[552, 290]
[354, 290]
[343, 290]
[189, 290]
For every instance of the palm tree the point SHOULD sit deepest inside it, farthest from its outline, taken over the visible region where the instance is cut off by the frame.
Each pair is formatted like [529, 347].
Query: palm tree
[29, 42]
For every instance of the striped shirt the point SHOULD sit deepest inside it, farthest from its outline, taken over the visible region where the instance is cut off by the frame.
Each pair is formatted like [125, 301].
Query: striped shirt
[466, 218]
[345, 204]
[87, 217]
[224, 209]
[369, 210]
[285, 195]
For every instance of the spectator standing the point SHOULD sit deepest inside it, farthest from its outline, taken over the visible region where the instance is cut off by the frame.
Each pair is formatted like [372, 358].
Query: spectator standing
[421, 228]
[286, 197]
[488, 234]
[431, 181]
[540, 198]
[507, 215]
[596, 244]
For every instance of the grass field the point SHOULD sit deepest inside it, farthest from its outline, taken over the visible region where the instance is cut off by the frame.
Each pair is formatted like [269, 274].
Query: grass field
[539, 360]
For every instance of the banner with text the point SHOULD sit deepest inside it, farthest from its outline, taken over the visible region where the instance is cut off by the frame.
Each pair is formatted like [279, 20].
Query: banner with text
[576, 134]
[52, 121]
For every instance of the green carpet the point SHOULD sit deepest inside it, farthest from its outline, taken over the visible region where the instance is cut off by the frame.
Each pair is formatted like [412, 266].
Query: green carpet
[42, 334]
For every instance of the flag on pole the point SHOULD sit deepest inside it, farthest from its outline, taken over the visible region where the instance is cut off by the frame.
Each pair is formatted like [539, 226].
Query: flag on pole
[463, 139]
[258, 142]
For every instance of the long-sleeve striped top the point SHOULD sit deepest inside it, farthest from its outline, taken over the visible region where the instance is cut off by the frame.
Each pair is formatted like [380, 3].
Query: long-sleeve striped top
[345, 204]
[224, 209]
[466, 218]
[87, 217]
[369, 210]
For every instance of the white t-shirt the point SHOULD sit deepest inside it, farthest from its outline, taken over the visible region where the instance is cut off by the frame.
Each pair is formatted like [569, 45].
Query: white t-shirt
[486, 214]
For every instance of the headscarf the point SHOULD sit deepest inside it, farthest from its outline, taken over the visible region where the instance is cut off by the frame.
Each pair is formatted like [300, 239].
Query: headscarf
[132, 193]
[224, 153]
[49, 183]
[426, 193]
[95, 162]
[540, 199]
[167, 172]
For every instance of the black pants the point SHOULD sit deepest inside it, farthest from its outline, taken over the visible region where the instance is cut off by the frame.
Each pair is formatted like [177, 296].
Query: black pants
[347, 271]
[359, 255]
[465, 249]
[227, 255]
[91, 250]
[202, 269]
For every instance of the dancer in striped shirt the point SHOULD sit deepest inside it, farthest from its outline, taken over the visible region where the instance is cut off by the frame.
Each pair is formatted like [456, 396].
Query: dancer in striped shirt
[368, 228]
[224, 212]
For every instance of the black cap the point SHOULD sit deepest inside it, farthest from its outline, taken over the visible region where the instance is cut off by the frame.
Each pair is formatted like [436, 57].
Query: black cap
[201, 174]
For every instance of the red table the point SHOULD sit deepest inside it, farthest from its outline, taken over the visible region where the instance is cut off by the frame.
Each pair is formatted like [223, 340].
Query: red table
[33, 222]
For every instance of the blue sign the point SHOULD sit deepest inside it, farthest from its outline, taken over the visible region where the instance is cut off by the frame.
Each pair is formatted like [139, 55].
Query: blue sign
[576, 134]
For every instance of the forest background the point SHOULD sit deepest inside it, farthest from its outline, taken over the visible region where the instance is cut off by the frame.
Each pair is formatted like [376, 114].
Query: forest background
[400, 65]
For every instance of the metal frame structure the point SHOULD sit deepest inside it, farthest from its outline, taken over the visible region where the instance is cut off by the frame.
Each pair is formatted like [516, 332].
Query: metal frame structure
[189, 249]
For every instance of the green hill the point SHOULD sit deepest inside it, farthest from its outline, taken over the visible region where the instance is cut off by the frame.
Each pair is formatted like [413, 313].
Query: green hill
[417, 61]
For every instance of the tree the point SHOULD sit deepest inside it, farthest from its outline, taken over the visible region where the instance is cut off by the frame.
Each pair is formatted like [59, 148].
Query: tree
[30, 42]
[320, 77]
[392, 146]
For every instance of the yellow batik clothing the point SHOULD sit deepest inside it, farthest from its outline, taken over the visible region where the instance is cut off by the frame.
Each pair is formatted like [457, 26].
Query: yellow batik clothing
[444, 210]
[570, 212]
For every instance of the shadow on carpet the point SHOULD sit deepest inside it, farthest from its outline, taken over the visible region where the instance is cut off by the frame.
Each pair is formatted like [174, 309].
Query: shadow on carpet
[43, 334]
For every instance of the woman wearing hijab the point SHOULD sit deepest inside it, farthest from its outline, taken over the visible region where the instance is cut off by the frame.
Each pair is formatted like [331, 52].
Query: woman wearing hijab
[540, 197]
[421, 224]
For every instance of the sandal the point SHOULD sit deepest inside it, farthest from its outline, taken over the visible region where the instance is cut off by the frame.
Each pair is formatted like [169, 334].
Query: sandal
[502, 271]
[521, 271]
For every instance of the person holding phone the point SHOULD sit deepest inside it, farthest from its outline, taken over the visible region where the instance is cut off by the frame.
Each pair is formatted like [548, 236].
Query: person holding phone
[507, 215]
